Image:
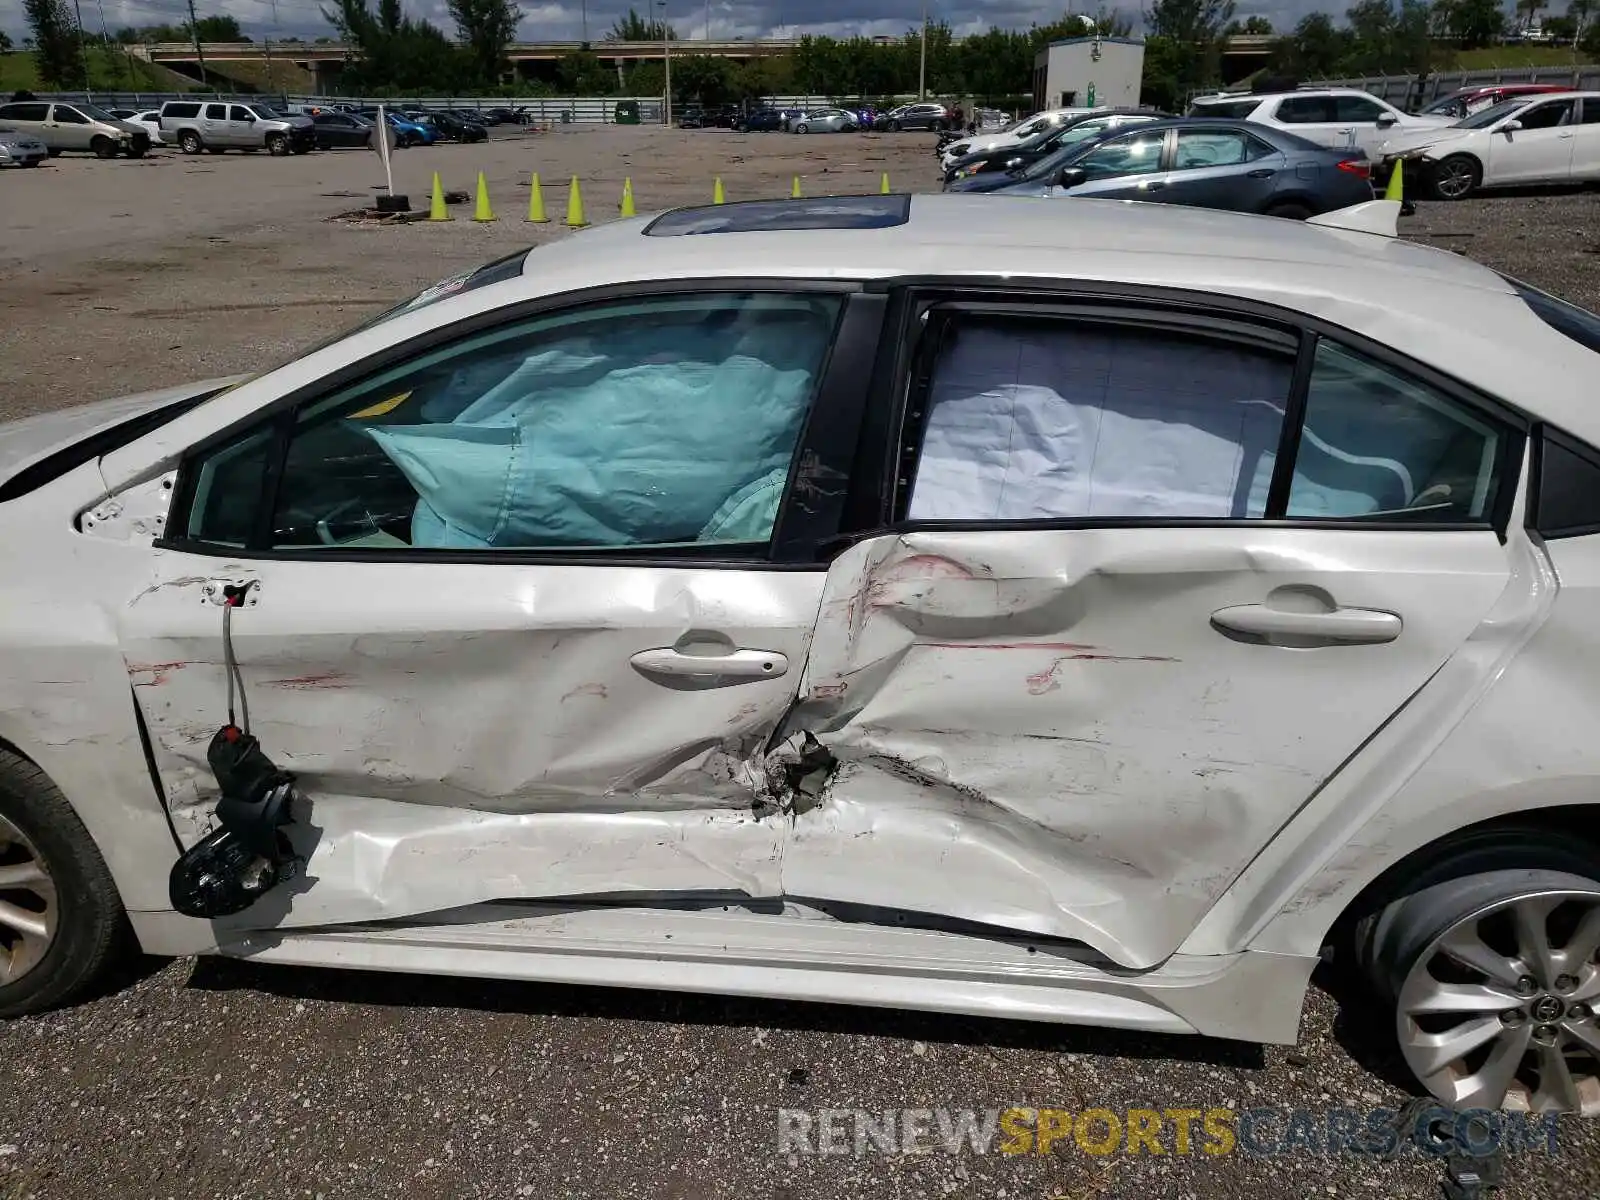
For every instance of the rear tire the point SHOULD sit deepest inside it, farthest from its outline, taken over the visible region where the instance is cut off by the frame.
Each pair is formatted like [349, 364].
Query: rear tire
[1456, 177]
[72, 893]
[189, 142]
[103, 146]
[1454, 923]
[136, 151]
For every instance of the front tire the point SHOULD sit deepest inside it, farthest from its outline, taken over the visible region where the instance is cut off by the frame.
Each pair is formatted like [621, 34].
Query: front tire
[277, 144]
[1456, 177]
[802, 129]
[61, 919]
[1488, 958]
[136, 151]
[103, 147]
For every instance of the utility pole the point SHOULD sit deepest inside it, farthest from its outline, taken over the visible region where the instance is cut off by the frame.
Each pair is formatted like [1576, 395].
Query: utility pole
[666, 57]
[708, 20]
[199, 54]
[272, 79]
[83, 52]
[585, 24]
[922, 66]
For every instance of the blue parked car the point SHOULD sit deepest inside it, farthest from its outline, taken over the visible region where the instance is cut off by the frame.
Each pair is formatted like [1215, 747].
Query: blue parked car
[406, 131]
[1224, 164]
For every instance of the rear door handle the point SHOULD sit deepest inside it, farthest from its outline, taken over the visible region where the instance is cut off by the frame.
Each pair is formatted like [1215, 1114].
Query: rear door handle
[1342, 626]
[1153, 186]
[735, 664]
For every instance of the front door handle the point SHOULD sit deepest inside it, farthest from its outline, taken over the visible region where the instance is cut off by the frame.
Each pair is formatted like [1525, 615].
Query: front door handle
[1342, 626]
[1154, 185]
[1262, 173]
[734, 664]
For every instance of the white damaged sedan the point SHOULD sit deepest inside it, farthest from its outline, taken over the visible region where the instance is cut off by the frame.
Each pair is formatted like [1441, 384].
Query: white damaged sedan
[941, 602]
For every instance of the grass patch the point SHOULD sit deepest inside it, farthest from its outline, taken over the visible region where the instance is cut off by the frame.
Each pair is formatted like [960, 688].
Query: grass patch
[1492, 58]
[109, 71]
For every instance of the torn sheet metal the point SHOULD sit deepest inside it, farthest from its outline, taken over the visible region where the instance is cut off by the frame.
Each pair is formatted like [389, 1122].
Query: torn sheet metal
[440, 718]
[1042, 730]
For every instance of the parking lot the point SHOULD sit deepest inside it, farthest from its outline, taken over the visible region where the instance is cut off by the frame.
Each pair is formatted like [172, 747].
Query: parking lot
[230, 1079]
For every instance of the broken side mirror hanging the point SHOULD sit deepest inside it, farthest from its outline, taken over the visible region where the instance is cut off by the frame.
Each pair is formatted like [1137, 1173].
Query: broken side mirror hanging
[248, 854]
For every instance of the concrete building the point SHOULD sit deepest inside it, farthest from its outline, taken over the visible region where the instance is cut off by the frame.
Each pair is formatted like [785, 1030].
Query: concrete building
[1088, 71]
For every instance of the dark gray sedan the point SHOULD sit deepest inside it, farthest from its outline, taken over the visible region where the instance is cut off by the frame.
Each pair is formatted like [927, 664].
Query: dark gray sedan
[1208, 163]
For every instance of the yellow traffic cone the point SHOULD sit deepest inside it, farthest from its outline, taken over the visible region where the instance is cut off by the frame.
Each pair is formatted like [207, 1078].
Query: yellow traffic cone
[794, 192]
[483, 212]
[627, 209]
[437, 210]
[717, 195]
[575, 219]
[1396, 188]
[883, 189]
[536, 202]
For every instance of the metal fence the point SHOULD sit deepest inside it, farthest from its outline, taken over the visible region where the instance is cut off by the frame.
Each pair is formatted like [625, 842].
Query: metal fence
[1416, 90]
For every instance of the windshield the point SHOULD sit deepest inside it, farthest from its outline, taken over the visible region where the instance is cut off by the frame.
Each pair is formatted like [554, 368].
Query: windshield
[265, 113]
[1495, 112]
[95, 114]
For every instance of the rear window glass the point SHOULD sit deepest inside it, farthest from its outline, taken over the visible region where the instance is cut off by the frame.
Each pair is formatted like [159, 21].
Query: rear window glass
[180, 110]
[1579, 324]
[1235, 109]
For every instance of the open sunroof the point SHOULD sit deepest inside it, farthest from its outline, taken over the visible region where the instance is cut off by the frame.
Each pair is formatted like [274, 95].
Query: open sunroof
[765, 216]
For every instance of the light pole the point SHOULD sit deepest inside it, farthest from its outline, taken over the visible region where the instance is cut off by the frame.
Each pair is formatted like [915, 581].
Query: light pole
[666, 56]
[83, 52]
[922, 65]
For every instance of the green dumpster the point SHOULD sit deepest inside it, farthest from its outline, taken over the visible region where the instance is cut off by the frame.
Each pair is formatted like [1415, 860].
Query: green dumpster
[627, 112]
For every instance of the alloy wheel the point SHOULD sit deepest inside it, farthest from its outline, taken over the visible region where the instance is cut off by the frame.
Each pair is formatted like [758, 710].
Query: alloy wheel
[1499, 1010]
[28, 909]
[1453, 178]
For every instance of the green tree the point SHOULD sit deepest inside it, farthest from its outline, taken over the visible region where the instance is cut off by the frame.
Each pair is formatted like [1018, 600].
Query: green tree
[634, 28]
[1470, 23]
[397, 53]
[704, 77]
[581, 73]
[1581, 13]
[486, 28]
[217, 29]
[1193, 29]
[56, 43]
[1315, 50]
[1250, 27]
[6, 44]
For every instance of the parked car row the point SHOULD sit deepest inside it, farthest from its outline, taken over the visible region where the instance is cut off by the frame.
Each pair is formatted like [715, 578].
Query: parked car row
[840, 119]
[1503, 135]
[33, 130]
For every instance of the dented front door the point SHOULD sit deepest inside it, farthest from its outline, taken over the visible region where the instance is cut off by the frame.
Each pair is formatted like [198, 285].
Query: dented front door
[1054, 732]
[465, 732]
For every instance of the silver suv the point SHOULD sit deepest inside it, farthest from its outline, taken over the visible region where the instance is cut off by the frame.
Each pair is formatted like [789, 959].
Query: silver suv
[75, 127]
[215, 126]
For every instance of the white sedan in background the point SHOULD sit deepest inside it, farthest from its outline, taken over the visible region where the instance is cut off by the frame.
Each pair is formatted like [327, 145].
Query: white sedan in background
[150, 121]
[1547, 139]
[1095, 620]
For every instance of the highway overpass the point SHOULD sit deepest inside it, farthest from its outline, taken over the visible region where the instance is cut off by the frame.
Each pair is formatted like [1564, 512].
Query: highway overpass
[535, 60]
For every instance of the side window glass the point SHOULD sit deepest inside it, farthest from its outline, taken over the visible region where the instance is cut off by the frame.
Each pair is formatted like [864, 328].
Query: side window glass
[667, 421]
[239, 113]
[1305, 110]
[1210, 148]
[69, 116]
[1377, 443]
[1591, 111]
[227, 490]
[1133, 154]
[1357, 109]
[216, 112]
[1545, 116]
[1058, 419]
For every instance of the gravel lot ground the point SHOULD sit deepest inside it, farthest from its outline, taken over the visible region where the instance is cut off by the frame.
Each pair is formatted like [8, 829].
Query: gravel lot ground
[231, 1079]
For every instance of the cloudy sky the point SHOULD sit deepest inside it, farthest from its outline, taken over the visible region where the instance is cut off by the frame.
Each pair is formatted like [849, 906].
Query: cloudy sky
[562, 19]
